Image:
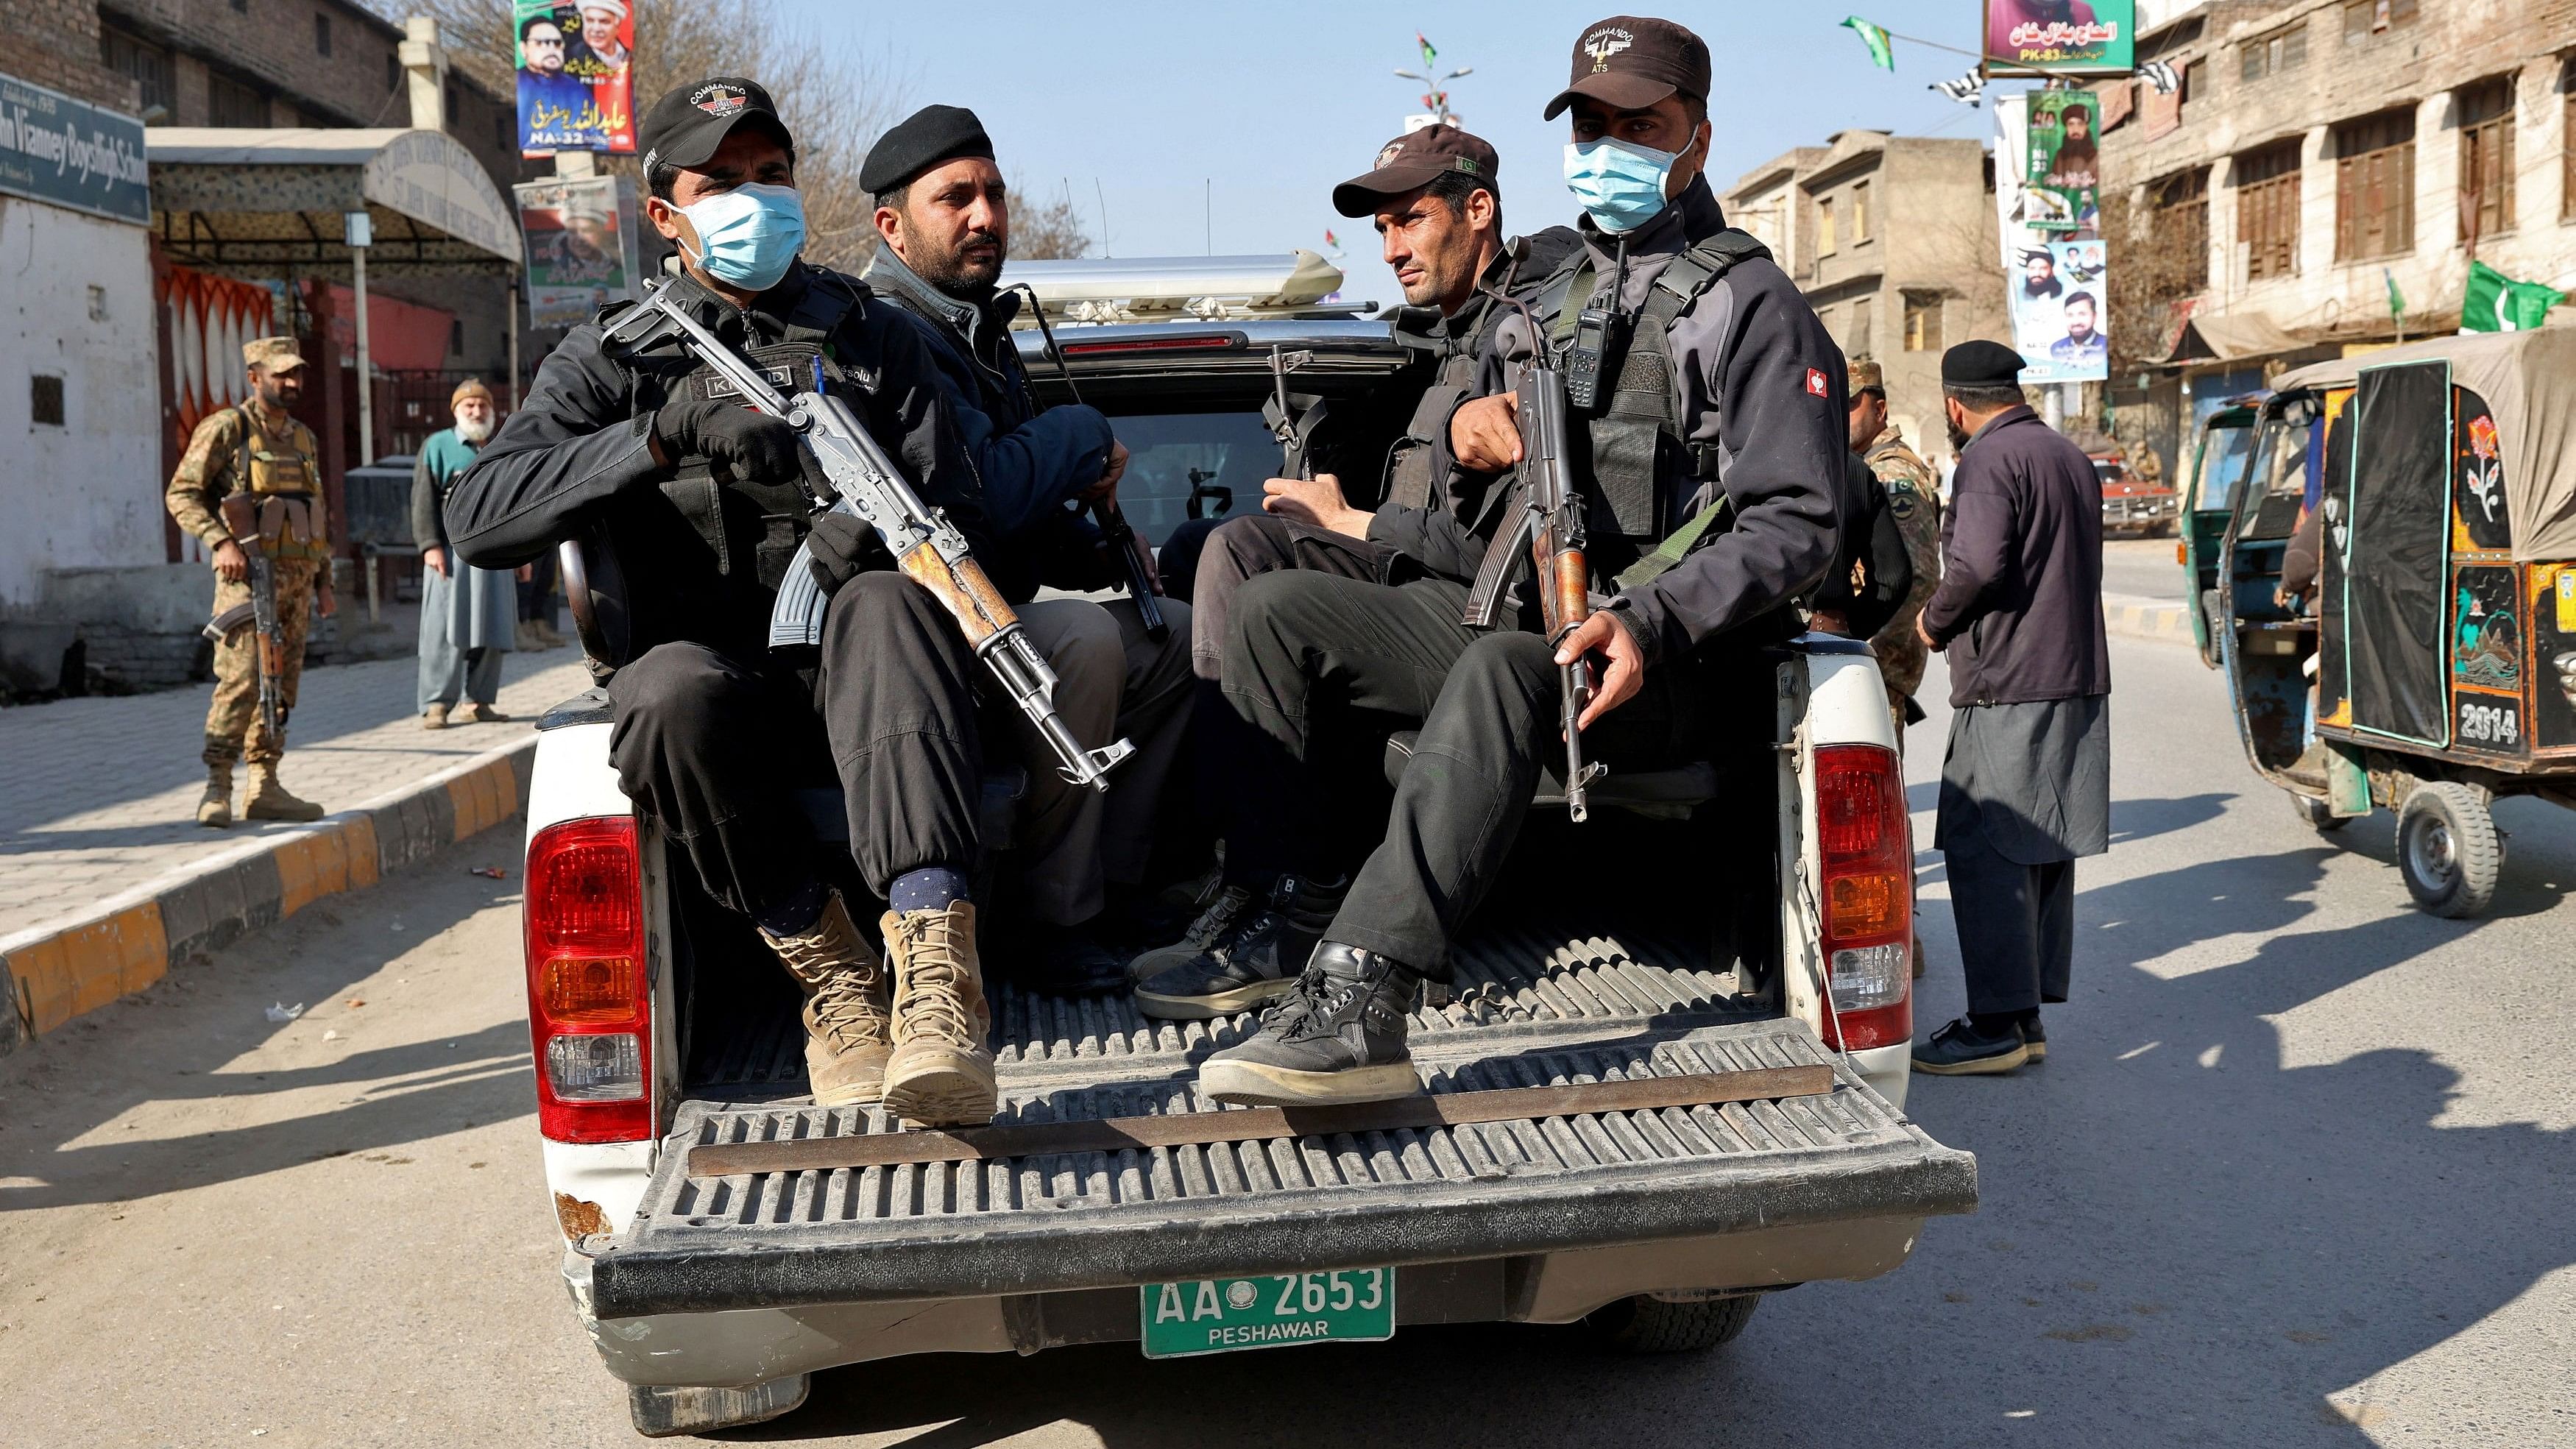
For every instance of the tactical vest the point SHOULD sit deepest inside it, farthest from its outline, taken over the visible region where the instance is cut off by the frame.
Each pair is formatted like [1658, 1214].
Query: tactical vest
[296, 527]
[1409, 482]
[752, 527]
[1635, 434]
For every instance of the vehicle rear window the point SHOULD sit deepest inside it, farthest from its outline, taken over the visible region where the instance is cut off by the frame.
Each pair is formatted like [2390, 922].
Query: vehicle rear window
[1222, 456]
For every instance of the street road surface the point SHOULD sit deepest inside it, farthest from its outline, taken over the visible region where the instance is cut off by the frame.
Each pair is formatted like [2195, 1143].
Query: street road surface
[2297, 1173]
[2142, 568]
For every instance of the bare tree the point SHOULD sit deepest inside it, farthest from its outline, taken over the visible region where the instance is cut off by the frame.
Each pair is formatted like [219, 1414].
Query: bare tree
[836, 102]
[2156, 262]
[1043, 231]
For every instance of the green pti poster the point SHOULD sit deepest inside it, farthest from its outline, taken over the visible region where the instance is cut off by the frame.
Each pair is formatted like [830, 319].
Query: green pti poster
[2063, 169]
[2061, 37]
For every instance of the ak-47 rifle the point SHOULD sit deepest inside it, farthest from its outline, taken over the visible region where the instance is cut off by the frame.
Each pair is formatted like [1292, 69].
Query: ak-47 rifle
[926, 546]
[1549, 523]
[241, 516]
[1116, 534]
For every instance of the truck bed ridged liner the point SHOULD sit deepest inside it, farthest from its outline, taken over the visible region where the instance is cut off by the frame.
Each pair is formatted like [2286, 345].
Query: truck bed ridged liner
[1089, 1220]
[1506, 977]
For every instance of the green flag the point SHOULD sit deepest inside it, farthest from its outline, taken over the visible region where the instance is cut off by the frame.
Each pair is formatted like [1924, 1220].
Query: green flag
[1875, 37]
[2498, 303]
[2396, 298]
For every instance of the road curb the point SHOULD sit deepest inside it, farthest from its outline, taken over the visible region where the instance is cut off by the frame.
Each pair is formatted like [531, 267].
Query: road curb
[2170, 623]
[59, 970]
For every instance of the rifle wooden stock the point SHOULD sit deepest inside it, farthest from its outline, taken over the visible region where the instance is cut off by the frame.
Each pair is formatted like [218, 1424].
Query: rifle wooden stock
[964, 590]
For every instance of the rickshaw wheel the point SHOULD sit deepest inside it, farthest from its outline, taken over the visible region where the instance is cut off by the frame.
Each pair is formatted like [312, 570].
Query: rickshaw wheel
[2318, 814]
[2448, 850]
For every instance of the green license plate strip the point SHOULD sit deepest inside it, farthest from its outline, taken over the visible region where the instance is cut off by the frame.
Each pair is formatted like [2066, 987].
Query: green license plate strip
[1223, 1315]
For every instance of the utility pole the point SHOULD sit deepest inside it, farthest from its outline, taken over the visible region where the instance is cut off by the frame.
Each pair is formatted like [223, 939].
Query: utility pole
[1435, 100]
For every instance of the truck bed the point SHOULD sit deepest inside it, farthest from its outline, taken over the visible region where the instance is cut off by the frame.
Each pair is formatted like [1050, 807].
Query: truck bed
[1533, 1009]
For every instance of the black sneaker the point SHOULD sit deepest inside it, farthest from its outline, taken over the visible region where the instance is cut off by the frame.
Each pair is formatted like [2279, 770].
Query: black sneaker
[1234, 907]
[1254, 964]
[2035, 1037]
[1960, 1050]
[1337, 1037]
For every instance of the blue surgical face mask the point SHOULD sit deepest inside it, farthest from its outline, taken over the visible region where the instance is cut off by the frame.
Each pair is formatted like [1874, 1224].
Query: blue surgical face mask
[750, 234]
[1619, 183]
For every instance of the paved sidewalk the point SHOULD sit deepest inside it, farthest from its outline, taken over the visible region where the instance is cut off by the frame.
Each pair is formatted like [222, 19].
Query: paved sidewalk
[100, 794]
[2146, 618]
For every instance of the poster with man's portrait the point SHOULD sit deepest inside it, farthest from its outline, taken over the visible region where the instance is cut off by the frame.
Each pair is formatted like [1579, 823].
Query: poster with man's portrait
[576, 75]
[2058, 304]
[2062, 170]
[581, 246]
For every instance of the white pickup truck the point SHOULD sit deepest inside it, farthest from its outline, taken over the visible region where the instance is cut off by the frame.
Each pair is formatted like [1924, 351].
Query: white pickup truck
[718, 1258]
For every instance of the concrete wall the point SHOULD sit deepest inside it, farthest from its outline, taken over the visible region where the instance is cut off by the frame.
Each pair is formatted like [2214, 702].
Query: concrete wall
[87, 493]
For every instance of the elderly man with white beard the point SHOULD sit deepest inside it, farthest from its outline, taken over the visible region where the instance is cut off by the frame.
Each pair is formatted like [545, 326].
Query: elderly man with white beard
[468, 616]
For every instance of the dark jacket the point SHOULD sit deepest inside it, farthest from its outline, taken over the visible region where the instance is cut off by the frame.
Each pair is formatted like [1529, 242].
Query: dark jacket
[1030, 460]
[1419, 472]
[575, 460]
[2021, 568]
[1762, 383]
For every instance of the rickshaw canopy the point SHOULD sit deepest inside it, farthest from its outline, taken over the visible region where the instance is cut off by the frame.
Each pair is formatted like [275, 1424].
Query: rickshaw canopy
[2528, 380]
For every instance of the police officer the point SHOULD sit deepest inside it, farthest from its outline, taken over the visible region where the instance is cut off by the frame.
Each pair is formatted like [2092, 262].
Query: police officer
[1438, 210]
[701, 503]
[944, 220]
[1713, 465]
[254, 448]
[1915, 503]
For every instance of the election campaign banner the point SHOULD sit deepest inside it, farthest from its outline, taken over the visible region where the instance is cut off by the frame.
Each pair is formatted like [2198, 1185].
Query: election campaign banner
[581, 243]
[72, 154]
[576, 75]
[2054, 283]
[2061, 37]
[2062, 168]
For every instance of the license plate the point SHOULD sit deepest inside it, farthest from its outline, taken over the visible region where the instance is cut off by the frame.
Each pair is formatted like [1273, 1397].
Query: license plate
[1221, 1315]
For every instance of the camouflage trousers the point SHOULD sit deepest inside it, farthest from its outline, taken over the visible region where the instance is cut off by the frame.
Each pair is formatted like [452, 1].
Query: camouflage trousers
[234, 730]
[1901, 662]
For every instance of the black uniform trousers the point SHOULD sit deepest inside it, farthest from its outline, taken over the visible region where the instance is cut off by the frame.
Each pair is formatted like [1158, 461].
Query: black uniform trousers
[713, 747]
[1308, 650]
[1228, 556]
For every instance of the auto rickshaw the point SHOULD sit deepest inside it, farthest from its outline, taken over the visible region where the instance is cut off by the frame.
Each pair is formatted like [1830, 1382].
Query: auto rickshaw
[2208, 500]
[2434, 670]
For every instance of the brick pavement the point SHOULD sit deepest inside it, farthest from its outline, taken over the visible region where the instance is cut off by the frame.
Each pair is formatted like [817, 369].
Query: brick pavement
[100, 794]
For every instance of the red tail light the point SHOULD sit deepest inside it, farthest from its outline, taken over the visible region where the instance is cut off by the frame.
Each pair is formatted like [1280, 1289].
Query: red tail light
[590, 1002]
[1219, 343]
[1867, 842]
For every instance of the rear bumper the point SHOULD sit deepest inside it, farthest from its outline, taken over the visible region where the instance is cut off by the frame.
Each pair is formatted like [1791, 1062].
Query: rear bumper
[737, 1347]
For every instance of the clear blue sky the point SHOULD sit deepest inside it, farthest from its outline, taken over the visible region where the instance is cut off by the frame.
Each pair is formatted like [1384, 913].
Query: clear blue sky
[1267, 106]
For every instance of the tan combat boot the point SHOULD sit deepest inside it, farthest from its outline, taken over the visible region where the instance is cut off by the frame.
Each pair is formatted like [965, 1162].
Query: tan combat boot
[268, 799]
[474, 711]
[940, 1075]
[216, 809]
[434, 717]
[847, 1023]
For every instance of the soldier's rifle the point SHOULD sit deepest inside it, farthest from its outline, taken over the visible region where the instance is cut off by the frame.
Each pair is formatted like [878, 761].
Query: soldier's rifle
[1548, 524]
[930, 550]
[241, 517]
[1116, 534]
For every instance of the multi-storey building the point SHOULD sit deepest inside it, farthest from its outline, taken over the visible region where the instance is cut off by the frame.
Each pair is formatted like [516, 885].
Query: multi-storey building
[2318, 155]
[1892, 239]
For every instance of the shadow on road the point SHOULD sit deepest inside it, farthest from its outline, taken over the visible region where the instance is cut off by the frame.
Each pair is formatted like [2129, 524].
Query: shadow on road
[59, 1139]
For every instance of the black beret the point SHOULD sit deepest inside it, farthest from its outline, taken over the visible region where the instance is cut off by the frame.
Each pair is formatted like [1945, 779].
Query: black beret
[1981, 364]
[920, 141]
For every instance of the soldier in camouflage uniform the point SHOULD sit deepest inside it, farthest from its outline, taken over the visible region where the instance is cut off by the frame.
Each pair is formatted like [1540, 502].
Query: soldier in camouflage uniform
[256, 448]
[1914, 498]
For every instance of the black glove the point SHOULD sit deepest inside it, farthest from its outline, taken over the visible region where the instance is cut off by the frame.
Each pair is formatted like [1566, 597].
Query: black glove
[844, 547]
[754, 446]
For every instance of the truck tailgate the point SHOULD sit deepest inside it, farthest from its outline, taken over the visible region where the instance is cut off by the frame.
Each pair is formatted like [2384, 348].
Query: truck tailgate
[1077, 1220]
